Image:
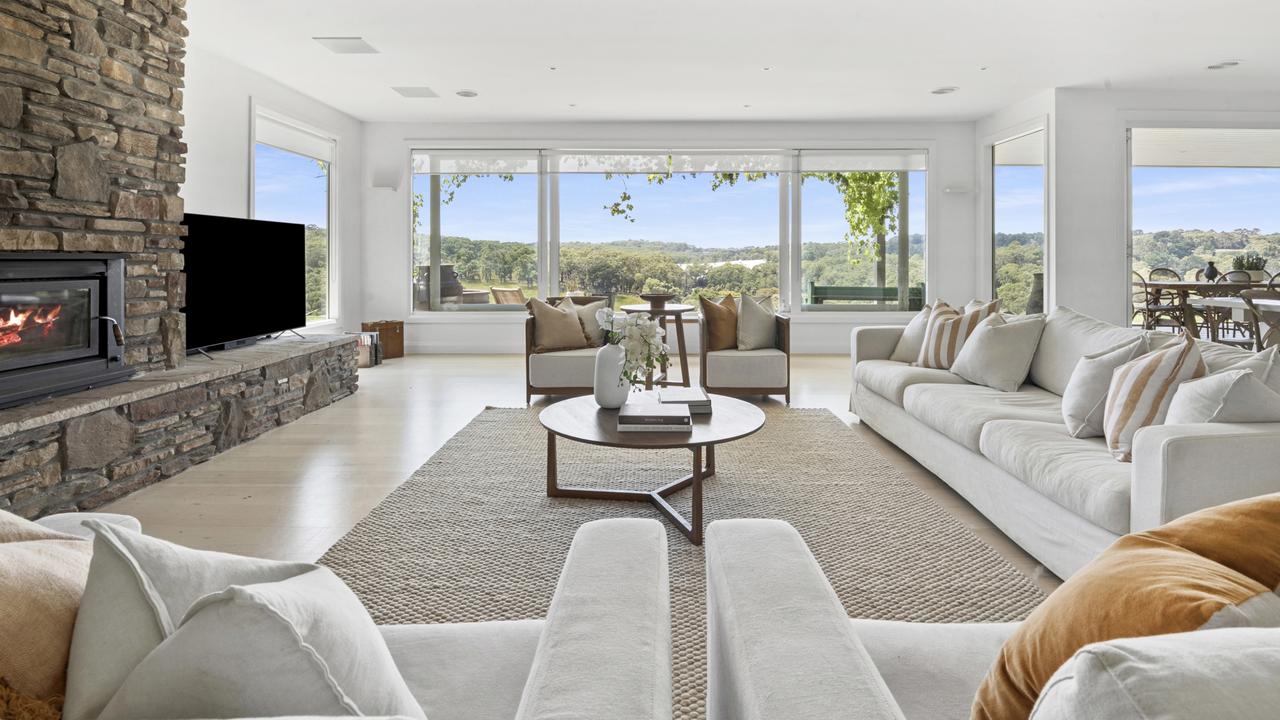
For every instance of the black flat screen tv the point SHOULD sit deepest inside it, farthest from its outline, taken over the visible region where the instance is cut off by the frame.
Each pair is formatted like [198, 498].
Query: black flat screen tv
[245, 279]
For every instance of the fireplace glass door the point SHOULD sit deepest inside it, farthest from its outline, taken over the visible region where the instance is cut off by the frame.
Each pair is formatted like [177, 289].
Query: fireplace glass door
[47, 321]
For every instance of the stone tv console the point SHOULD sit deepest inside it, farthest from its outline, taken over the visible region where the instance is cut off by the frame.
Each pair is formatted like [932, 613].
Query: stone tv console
[77, 452]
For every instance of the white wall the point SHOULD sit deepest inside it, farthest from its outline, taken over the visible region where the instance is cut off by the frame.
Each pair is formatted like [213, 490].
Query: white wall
[217, 104]
[951, 269]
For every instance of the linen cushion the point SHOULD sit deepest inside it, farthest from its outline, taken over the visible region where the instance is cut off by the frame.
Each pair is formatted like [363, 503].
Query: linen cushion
[556, 328]
[1202, 571]
[587, 317]
[1141, 391]
[465, 671]
[1227, 673]
[998, 353]
[757, 328]
[303, 645]
[563, 369]
[1069, 336]
[947, 331]
[908, 348]
[721, 322]
[1085, 397]
[960, 411]
[890, 379]
[1263, 365]
[746, 368]
[138, 590]
[42, 576]
[1077, 473]
[1230, 396]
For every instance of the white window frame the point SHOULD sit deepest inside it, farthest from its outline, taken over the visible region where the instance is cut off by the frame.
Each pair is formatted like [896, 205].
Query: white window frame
[986, 207]
[308, 142]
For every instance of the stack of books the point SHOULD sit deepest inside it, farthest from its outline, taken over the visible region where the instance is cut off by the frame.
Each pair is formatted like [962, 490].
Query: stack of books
[695, 398]
[368, 348]
[654, 417]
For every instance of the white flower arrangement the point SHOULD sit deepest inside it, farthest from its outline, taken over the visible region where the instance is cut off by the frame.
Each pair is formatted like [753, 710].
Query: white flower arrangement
[641, 339]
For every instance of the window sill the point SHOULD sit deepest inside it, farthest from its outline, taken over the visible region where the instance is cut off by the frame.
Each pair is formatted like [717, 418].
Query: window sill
[321, 327]
[857, 317]
[464, 317]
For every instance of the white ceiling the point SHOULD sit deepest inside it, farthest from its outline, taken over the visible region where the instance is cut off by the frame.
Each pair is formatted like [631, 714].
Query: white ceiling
[702, 59]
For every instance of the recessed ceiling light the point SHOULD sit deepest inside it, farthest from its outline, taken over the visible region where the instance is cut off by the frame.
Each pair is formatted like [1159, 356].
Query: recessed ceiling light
[416, 91]
[573, 104]
[1223, 65]
[766, 68]
[944, 90]
[553, 67]
[346, 45]
[746, 106]
[466, 93]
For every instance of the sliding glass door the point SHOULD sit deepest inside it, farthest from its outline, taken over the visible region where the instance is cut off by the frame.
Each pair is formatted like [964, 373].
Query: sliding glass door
[1018, 222]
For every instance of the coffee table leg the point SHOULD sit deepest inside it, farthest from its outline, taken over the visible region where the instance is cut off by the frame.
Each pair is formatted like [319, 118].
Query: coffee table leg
[551, 464]
[711, 460]
[695, 523]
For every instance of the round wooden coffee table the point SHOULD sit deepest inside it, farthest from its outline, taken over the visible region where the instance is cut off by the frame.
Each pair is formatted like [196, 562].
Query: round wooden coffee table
[581, 420]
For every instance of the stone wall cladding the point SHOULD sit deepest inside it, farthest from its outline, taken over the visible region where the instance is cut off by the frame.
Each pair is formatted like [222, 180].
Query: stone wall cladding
[86, 461]
[91, 151]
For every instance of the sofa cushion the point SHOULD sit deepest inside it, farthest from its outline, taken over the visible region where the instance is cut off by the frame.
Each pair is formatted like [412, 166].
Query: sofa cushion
[1141, 391]
[1216, 355]
[556, 328]
[757, 325]
[960, 411]
[565, 369]
[720, 320]
[465, 671]
[1067, 337]
[1230, 396]
[999, 352]
[890, 379]
[1077, 473]
[932, 669]
[766, 368]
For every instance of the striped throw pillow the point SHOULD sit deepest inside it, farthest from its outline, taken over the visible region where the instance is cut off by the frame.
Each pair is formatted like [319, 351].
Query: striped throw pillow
[948, 329]
[1142, 389]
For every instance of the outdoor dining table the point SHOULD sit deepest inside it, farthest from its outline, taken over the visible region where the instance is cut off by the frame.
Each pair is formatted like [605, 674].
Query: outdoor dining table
[1204, 289]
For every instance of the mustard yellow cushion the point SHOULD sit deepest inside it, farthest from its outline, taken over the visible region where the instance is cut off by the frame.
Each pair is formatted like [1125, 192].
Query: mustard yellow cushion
[42, 576]
[721, 322]
[1216, 568]
[556, 328]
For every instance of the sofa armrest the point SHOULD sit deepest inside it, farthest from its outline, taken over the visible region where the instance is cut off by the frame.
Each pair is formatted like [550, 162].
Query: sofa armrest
[779, 643]
[1178, 469]
[71, 523]
[874, 342]
[605, 649]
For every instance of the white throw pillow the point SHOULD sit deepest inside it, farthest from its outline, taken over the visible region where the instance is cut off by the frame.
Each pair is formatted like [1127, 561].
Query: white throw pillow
[1264, 367]
[137, 592]
[1069, 336]
[1230, 396]
[998, 353]
[299, 646]
[1141, 391]
[1227, 673]
[1085, 396]
[757, 327]
[908, 348]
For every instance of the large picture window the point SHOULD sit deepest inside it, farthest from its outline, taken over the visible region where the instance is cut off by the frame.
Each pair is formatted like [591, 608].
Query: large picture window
[292, 182]
[494, 228]
[1018, 222]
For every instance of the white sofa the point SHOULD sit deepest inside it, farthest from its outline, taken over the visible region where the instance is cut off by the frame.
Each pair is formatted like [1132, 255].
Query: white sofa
[1062, 499]
[604, 649]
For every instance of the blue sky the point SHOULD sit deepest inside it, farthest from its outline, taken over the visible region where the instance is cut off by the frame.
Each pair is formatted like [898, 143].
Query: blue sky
[288, 187]
[681, 210]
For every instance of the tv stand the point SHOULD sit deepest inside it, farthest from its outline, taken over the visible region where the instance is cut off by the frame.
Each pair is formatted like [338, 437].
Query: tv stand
[295, 332]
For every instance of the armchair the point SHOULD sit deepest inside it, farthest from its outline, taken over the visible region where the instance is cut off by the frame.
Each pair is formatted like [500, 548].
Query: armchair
[748, 372]
[564, 372]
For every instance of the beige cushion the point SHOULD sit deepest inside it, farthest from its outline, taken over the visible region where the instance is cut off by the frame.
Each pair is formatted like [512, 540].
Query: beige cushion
[303, 645]
[908, 348]
[746, 369]
[42, 576]
[1067, 337]
[556, 328]
[465, 671]
[1142, 389]
[1228, 673]
[1077, 473]
[1230, 396]
[960, 411]
[137, 592]
[564, 369]
[1085, 398]
[757, 326]
[890, 379]
[1216, 355]
[947, 331]
[720, 320]
[998, 353]
[587, 317]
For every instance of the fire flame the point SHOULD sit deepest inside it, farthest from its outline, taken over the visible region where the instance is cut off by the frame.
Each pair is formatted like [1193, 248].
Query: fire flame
[15, 321]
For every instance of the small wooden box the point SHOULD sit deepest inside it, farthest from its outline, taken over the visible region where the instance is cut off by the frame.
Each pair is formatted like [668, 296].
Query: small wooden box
[390, 334]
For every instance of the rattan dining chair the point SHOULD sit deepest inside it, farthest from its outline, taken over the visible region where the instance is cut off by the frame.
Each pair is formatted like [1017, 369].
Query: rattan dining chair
[1224, 329]
[1147, 304]
[1167, 297]
[1265, 323]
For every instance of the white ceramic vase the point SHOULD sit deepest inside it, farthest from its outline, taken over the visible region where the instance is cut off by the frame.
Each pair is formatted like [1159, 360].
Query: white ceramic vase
[610, 389]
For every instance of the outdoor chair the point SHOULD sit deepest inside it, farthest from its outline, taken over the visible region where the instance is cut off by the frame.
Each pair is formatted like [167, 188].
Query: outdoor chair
[1148, 305]
[508, 296]
[1264, 323]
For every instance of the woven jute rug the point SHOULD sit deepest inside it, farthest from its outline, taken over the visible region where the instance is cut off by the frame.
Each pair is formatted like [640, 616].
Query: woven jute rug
[472, 535]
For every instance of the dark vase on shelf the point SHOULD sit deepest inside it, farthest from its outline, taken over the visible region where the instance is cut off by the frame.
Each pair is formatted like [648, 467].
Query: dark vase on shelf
[1211, 272]
[1035, 301]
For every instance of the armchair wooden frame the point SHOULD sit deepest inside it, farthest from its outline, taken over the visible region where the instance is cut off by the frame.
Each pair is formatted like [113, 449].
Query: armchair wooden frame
[529, 389]
[783, 343]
